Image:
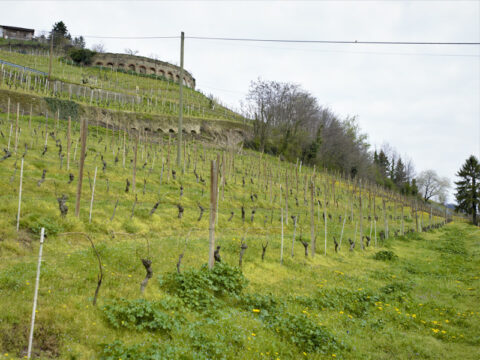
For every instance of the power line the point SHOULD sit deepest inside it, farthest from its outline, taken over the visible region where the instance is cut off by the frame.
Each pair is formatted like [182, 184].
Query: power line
[286, 40]
[334, 41]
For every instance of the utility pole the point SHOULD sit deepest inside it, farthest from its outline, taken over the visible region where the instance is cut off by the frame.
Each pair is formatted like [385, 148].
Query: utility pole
[51, 58]
[180, 107]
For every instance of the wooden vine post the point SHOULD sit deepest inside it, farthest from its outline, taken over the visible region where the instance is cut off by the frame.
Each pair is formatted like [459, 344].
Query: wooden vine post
[213, 210]
[83, 135]
[361, 216]
[312, 218]
[325, 215]
[134, 175]
[69, 128]
[16, 127]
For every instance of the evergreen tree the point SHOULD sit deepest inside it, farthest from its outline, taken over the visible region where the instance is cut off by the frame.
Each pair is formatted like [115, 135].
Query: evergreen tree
[468, 188]
[60, 34]
[400, 175]
[383, 164]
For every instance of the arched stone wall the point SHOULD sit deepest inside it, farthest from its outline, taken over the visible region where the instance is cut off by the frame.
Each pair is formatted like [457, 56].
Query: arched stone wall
[143, 65]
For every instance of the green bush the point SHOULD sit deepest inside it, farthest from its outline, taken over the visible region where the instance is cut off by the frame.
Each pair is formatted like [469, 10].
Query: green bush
[35, 222]
[199, 288]
[138, 315]
[267, 304]
[385, 255]
[306, 334]
[81, 56]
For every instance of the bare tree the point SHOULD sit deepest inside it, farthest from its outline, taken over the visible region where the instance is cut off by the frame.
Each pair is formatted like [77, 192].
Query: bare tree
[99, 48]
[431, 185]
[130, 51]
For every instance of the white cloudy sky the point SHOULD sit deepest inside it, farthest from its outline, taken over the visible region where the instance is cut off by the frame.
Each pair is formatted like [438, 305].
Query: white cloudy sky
[423, 100]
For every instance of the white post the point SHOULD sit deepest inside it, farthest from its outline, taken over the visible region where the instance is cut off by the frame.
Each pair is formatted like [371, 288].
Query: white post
[281, 248]
[93, 194]
[20, 196]
[375, 226]
[37, 280]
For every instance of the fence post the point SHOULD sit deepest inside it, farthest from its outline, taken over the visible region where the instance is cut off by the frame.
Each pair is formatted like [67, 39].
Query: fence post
[68, 141]
[37, 280]
[213, 210]
[281, 248]
[20, 196]
[93, 195]
[80, 170]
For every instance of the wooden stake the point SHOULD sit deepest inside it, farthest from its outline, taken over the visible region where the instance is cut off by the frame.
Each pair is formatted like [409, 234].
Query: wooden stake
[16, 127]
[69, 127]
[84, 131]
[93, 194]
[20, 195]
[281, 247]
[312, 219]
[213, 210]
[134, 175]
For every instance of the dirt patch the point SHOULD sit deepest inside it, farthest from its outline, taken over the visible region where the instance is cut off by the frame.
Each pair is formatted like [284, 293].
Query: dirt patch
[46, 340]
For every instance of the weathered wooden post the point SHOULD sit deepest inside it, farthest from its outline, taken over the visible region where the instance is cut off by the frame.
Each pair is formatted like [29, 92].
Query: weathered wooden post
[84, 130]
[69, 127]
[312, 218]
[213, 209]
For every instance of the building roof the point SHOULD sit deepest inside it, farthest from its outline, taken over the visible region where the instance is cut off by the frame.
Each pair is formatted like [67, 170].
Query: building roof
[15, 28]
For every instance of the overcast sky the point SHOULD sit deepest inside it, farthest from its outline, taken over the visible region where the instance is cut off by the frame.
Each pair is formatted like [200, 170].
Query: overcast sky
[422, 100]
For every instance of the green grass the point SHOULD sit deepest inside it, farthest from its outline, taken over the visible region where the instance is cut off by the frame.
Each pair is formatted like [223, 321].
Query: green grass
[157, 96]
[348, 303]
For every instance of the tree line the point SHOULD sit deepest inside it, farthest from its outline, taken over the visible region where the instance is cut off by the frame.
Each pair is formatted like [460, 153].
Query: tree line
[289, 122]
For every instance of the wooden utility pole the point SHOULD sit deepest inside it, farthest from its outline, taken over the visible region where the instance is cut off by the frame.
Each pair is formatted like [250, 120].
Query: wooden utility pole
[84, 130]
[51, 58]
[213, 210]
[180, 106]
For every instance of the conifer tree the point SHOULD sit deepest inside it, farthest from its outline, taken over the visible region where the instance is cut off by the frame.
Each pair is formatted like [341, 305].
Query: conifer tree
[468, 188]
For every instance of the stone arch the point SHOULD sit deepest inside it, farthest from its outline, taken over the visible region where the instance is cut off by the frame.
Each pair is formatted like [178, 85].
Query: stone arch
[142, 69]
[121, 66]
[161, 73]
[177, 78]
[193, 132]
[131, 67]
[152, 71]
[171, 131]
[99, 63]
[169, 75]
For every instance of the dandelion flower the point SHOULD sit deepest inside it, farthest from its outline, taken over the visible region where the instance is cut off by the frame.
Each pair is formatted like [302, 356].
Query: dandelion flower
[256, 310]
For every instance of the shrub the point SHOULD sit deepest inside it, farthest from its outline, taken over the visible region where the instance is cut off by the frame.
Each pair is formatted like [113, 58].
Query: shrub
[267, 304]
[138, 315]
[81, 56]
[305, 334]
[385, 255]
[199, 288]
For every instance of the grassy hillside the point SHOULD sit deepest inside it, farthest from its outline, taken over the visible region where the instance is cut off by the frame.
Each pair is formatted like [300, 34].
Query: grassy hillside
[401, 297]
[152, 95]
